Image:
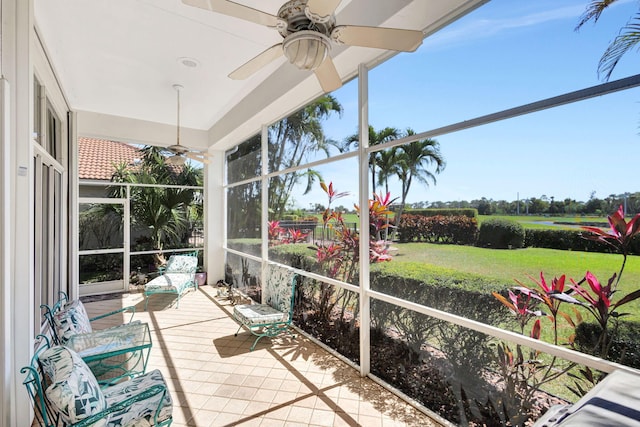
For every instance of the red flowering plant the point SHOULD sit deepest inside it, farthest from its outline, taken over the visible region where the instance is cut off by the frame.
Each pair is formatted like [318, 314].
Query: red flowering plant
[337, 252]
[597, 298]
[619, 237]
[295, 236]
[274, 232]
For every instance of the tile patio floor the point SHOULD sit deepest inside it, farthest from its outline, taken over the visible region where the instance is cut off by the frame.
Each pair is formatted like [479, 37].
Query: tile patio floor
[215, 380]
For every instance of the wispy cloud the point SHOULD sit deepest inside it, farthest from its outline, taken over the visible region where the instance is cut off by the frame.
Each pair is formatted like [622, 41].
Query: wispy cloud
[470, 28]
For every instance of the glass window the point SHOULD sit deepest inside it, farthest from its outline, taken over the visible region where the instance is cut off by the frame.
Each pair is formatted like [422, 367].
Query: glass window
[322, 129]
[243, 218]
[244, 161]
[244, 275]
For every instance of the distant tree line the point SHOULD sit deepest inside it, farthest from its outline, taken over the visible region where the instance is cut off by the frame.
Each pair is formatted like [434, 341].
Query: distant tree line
[543, 205]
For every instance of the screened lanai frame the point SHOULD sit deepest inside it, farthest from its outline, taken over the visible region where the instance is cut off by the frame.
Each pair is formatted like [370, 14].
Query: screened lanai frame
[364, 291]
[126, 250]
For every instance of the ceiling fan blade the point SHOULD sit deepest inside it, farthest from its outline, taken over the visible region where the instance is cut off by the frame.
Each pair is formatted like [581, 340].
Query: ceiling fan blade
[328, 76]
[255, 64]
[319, 9]
[197, 158]
[236, 10]
[381, 38]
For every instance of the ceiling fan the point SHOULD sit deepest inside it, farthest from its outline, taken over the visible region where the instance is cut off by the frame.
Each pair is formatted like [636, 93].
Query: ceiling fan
[178, 154]
[308, 28]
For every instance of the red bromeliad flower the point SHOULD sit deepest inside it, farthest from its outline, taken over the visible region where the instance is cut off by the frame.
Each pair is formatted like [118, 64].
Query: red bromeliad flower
[621, 231]
[598, 303]
[521, 305]
[333, 195]
[274, 230]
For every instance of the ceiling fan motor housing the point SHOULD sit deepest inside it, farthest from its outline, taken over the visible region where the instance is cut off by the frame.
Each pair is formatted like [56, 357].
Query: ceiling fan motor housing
[306, 41]
[296, 15]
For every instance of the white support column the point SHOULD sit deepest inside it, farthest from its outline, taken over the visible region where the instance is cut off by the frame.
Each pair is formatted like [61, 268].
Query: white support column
[264, 212]
[215, 217]
[17, 178]
[5, 254]
[363, 173]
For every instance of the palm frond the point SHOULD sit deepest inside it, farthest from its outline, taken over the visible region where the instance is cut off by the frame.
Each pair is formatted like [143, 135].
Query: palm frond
[628, 38]
[593, 11]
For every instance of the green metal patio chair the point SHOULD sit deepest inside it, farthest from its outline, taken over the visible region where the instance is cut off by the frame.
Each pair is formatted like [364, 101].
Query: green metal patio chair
[113, 353]
[64, 392]
[274, 317]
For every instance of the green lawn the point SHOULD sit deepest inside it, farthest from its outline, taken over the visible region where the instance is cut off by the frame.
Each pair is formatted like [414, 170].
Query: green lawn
[507, 265]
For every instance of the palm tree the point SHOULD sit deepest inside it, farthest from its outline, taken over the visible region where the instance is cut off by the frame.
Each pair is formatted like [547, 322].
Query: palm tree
[293, 139]
[412, 162]
[375, 138]
[387, 160]
[626, 40]
[162, 212]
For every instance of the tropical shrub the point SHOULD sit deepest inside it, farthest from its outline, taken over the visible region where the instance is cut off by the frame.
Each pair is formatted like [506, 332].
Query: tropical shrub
[571, 240]
[501, 234]
[625, 342]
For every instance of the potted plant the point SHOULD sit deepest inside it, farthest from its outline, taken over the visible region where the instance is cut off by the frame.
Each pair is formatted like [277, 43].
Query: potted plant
[201, 276]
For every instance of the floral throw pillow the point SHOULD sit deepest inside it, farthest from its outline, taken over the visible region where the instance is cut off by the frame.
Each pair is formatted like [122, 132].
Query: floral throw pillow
[74, 391]
[182, 264]
[72, 319]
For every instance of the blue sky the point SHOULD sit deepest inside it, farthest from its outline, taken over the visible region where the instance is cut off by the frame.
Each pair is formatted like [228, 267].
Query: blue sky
[502, 55]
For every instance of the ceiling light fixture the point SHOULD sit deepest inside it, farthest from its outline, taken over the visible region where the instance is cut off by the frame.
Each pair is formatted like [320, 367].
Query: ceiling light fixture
[306, 49]
[189, 62]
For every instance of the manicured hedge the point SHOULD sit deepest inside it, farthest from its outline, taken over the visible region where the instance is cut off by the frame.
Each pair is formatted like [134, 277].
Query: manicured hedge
[469, 213]
[572, 240]
[501, 234]
[459, 230]
[462, 294]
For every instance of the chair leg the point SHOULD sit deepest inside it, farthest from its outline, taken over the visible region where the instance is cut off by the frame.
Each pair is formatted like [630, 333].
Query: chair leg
[256, 342]
[146, 301]
[236, 334]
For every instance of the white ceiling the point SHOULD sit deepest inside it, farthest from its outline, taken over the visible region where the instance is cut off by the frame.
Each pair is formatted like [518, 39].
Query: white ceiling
[121, 57]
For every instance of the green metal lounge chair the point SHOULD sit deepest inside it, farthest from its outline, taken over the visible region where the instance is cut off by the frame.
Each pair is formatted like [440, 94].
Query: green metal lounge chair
[179, 275]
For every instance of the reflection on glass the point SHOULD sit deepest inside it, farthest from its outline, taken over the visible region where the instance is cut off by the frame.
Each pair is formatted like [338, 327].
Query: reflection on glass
[243, 218]
[101, 268]
[100, 226]
[302, 137]
[244, 275]
[468, 377]
[244, 161]
[331, 314]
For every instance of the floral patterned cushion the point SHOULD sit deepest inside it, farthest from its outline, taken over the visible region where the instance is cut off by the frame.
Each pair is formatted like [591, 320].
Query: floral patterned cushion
[74, 391]
[70, 320]
[140, 413]
[171, 282]
[181, 264]
[75, 394]
[278, 288]
[258, 314]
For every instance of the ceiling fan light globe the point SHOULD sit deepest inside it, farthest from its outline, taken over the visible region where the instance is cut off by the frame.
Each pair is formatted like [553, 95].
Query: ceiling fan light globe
[175, 161]
[306, 49]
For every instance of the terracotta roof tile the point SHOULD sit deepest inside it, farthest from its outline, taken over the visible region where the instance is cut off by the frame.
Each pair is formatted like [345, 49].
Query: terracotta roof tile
[97, 157]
